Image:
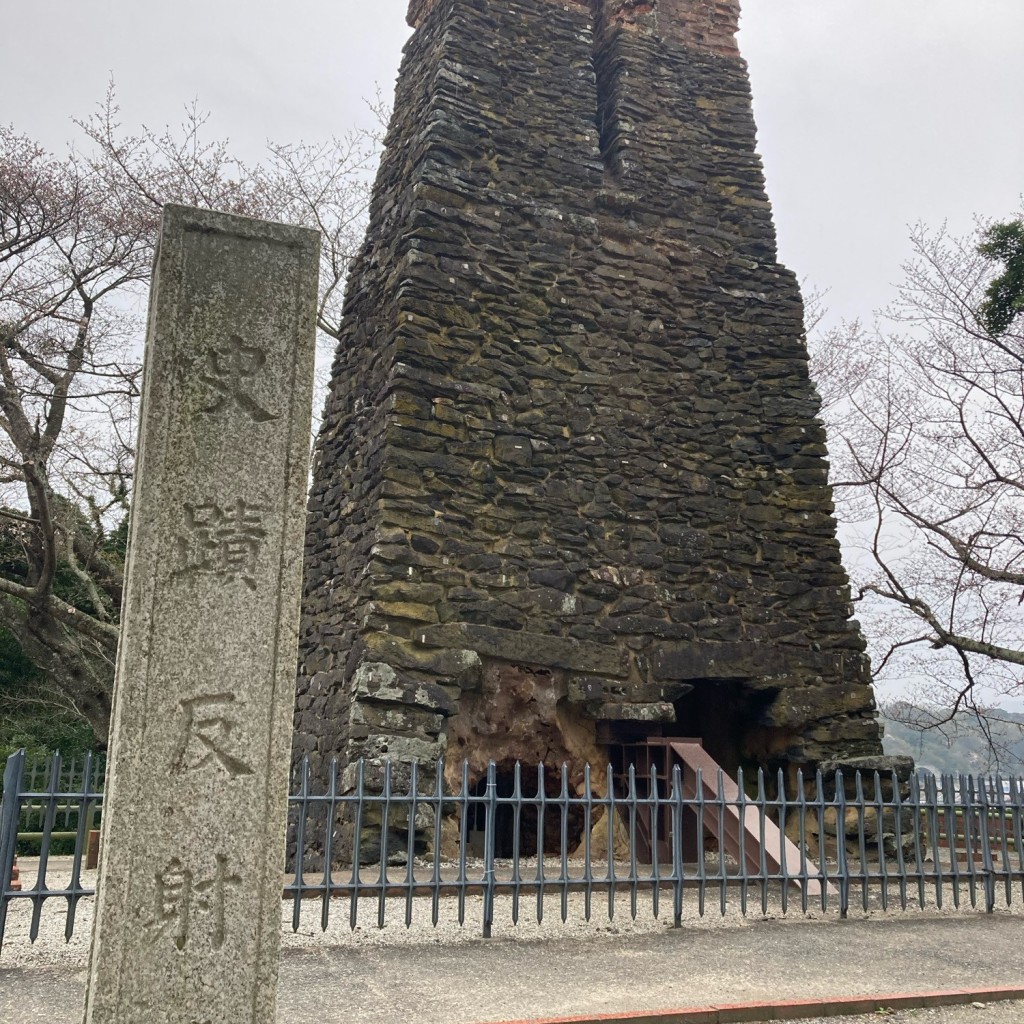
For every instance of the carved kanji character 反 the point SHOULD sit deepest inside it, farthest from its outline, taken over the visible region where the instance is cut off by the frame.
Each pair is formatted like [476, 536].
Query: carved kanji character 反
[209, 734]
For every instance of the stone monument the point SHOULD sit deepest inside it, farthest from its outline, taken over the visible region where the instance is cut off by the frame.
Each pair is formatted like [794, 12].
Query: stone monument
[571, 488]
[188, 913]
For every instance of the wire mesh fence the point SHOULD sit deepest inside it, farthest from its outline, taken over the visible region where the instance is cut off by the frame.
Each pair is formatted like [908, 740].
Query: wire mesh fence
[421, 841]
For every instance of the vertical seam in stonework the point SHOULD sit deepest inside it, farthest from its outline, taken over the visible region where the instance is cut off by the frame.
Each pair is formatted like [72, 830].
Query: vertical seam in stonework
[606, 114]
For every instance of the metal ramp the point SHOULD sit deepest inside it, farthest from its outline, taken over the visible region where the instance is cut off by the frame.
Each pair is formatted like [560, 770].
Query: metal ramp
[738, 827]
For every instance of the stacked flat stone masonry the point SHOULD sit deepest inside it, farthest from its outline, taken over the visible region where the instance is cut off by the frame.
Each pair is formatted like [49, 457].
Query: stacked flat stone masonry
[570, 482]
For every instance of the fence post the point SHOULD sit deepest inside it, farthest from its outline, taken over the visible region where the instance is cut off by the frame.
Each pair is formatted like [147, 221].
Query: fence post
[984, 834]
[489, 837]
[842, 867]
[677, 846]
[94, 784]
[10, 809]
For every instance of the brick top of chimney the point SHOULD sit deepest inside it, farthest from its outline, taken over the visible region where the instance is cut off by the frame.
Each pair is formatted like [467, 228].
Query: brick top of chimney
[418, 10]
[709, 25]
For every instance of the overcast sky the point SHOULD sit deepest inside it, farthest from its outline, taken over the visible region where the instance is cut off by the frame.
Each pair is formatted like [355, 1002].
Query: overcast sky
[873, 114]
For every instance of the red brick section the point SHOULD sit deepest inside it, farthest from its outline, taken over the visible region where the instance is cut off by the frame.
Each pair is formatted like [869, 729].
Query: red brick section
[15, 885]
[418, 10]
[702, 24]
[709, 25]
[794, 1009]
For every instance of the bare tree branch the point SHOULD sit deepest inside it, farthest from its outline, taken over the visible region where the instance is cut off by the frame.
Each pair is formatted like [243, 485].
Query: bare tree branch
[926, 426]
[77, 236]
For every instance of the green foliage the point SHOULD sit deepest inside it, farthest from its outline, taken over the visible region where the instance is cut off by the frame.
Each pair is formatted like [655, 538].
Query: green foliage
[15, 668]
[13, 564]
[110, 551]
[32, 714]
[28, 717]
[115, 544]
[45, 730]
[1005, 295]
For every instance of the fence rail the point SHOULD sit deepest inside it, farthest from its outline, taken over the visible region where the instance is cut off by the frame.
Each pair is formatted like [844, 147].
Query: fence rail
[419, 841]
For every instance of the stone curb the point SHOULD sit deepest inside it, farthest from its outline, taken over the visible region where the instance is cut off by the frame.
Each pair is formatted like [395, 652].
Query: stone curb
[791, 1009]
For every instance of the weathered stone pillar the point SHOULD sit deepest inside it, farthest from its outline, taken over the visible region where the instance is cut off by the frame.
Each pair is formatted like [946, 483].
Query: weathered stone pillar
[189, 897]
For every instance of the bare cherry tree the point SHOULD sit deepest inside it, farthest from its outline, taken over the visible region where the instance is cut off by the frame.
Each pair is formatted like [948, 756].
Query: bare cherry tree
[926, 423]
[77, 236]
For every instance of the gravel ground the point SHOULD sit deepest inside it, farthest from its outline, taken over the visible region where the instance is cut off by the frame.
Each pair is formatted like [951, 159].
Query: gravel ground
[52, 948]
[449, 975]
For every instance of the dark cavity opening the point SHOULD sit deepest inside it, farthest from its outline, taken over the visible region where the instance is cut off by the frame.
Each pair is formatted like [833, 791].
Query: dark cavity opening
[728, 716]
[533, 822]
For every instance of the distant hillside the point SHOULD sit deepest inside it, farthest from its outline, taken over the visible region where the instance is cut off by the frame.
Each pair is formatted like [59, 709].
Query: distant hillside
[959, 747]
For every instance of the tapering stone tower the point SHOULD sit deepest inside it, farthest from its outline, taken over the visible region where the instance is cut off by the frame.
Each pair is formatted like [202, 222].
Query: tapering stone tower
[570, 487]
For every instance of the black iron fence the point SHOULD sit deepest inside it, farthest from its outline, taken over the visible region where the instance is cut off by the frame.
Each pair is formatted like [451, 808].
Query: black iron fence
[503, 845]
[67, 780]
[44, 803]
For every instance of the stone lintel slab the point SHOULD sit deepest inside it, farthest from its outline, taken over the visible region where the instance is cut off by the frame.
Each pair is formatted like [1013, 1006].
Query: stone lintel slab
[585, 689]
[188, 914]
[525, 648]
[740, 660]
[626, 711]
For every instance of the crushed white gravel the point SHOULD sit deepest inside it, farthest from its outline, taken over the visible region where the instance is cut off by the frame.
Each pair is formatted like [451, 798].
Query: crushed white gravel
[51, 948]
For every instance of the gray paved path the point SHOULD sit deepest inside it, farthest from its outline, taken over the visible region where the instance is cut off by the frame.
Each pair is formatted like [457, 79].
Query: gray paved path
[506, 979]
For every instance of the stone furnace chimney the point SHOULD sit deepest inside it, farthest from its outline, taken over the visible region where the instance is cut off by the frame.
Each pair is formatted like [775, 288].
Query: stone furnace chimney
[571, 489]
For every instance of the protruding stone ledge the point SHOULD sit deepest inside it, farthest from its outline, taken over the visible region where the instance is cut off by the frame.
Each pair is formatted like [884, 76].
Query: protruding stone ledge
[795, 706]
[740, 660]
[463, 667]
[626, 711]
[381, 683]
[884, 764]
[893, 773]
[525, 648]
